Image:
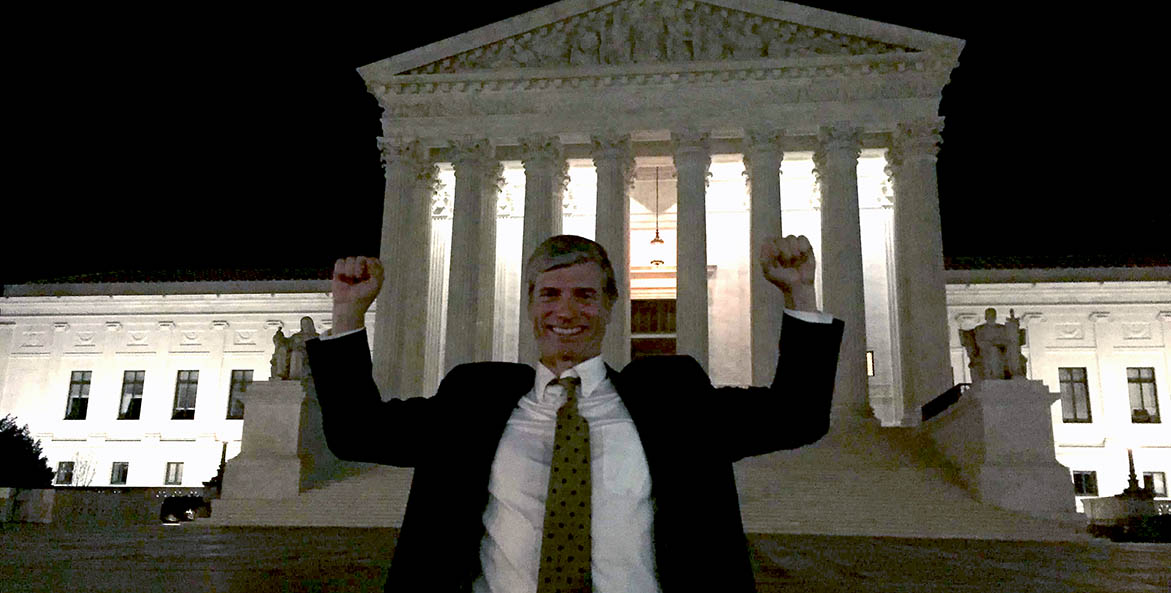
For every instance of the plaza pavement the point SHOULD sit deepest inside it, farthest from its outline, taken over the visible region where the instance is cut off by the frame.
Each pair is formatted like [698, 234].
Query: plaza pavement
[196, 558]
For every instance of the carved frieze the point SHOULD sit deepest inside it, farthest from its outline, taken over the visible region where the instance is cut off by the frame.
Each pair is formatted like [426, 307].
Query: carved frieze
[656, 31]
[1136, 330]
[1069, 331]
[33, 339]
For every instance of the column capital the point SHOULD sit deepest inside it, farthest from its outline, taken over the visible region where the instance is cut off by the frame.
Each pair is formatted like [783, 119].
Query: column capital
[615, 146]
[476, 152]
[396, 148]
[688, 142]
[539, 149]
[494, 175]
[765, 139]
[542, 151]
[841, 139]
[762, 145]
[691, 148]
[399, 151]
[915, 140]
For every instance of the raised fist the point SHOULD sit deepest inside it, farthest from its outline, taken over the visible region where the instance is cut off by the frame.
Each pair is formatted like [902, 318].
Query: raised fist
[355, 285]
[790, 265]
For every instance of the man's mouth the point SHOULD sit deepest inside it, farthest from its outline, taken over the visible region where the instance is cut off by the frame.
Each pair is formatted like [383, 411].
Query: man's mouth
[567, 331]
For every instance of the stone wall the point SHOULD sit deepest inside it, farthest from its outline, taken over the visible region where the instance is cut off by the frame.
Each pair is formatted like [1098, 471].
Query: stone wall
[90, 507]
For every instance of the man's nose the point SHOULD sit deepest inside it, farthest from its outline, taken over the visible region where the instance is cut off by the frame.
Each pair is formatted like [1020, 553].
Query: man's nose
[567, 307]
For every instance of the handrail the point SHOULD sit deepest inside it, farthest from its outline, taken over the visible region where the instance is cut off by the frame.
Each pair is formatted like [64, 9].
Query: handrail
[942, 402]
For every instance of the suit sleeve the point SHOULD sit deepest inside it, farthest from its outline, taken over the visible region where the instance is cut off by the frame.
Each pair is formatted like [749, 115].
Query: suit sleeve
[358, 425]
[794, 411]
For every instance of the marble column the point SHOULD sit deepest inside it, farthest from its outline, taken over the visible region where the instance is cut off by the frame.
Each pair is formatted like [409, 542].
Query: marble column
[615, 165]
[920, 286]
[472, 276]
[762, 163]
[545, 171]
[836, 167]
[401, 311]
[692, 160]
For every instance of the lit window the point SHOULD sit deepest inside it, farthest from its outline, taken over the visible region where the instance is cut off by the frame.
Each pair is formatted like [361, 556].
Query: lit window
[119, 472]
[240, 382]
[1156, 482]
[174, 473]
[131, 405]
[1144, 409]
[1085, 483]
[64, 473]
[186, 384]
[78, 402]
[652, 327]
[1075, 398]
[869, 363]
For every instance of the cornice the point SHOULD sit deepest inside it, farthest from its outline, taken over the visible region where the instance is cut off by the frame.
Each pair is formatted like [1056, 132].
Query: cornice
[668, 74]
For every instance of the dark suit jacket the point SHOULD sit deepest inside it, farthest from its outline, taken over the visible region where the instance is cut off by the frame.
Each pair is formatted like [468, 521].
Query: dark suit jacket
[691, 433]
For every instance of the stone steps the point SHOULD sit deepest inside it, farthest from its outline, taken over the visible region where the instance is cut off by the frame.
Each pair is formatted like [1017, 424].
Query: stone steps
[866, 481]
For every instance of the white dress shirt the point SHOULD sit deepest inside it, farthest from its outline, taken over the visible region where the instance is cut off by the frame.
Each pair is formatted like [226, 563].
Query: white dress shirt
[622, 554]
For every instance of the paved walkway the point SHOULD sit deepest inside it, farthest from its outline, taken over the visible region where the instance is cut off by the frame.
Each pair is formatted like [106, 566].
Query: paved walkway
[196, 558]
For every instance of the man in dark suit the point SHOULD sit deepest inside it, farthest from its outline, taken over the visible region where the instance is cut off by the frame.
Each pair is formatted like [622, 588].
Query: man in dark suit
[499, 502]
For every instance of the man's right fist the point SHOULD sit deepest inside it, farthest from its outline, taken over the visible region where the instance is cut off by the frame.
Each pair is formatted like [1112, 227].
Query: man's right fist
[356, 282]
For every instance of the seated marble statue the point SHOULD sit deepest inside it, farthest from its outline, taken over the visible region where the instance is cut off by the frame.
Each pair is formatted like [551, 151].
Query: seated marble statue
[994, 349]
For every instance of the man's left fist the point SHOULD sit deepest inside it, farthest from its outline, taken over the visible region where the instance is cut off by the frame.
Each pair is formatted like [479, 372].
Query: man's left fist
[790, 265]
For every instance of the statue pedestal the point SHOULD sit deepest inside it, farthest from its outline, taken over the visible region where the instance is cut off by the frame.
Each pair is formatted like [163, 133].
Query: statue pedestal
[1000, 434]
[283, 449]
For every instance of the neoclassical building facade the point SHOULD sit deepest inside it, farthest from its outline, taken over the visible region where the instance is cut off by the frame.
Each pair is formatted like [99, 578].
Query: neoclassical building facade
[711, 125]
[625, 86]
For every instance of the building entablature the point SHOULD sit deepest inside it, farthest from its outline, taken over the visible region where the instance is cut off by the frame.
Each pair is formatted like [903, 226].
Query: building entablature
[591, 67]
[1089, 295]
[38, 308]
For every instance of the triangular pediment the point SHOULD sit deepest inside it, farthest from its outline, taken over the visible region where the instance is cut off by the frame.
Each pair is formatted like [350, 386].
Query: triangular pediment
[597, 33]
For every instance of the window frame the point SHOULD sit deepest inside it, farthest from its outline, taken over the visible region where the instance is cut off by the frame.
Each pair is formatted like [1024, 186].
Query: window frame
[174, 474]
[116, 478]
[77, 404]
[131, 409]
[1065, 377]
[1135, 380]
[1159, 486]
[243, 379]
[186, 392]
[658, 334]
[1088, 485]
[64, 468]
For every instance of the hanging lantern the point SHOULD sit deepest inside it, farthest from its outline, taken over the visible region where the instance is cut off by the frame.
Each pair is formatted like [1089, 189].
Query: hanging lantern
[658, 247]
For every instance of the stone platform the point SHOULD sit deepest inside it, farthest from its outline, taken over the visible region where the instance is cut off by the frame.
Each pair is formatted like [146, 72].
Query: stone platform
[196, 558]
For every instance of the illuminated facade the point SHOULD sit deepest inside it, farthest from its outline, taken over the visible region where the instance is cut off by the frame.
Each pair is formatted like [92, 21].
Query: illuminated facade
[756, 117]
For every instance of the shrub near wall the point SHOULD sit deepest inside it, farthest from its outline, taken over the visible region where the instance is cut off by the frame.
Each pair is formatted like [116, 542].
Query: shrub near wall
[106, 507]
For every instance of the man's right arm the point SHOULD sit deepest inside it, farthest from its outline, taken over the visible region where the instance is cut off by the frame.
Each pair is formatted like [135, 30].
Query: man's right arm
[358, 425]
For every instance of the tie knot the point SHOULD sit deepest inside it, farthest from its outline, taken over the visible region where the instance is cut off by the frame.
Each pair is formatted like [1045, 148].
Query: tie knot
[570, 384]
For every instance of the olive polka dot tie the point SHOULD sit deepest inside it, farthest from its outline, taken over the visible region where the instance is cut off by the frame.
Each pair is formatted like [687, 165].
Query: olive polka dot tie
[565, 543]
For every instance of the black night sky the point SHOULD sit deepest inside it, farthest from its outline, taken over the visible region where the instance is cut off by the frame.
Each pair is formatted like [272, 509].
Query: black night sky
[201, 139]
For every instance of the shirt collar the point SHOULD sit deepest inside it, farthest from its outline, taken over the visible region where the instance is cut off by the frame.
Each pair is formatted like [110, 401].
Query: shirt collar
[591, 372]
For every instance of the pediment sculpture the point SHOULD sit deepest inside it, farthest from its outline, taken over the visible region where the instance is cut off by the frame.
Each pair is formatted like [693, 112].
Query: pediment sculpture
[656, 31]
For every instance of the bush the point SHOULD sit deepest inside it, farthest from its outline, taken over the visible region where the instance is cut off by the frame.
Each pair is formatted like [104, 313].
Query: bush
[24, 466]
[1155, 528]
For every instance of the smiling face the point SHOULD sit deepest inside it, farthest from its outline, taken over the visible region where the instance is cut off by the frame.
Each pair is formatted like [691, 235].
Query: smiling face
[569, 311]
